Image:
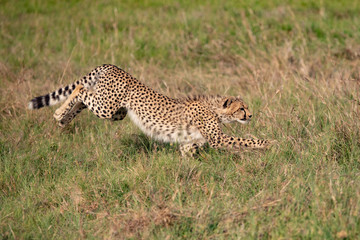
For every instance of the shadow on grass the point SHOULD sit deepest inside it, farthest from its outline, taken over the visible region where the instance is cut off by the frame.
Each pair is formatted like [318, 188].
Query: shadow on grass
[135, 143]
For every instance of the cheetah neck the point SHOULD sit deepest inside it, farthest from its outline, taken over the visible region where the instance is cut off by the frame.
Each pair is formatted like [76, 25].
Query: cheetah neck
[214, 101]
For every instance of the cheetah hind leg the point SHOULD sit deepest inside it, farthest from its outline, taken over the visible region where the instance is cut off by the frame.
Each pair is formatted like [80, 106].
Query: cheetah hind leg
[70, 108]
[119, 115]
[78, 107]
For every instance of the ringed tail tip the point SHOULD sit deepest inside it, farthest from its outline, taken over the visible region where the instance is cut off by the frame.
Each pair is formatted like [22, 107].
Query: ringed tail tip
[38, 102]
[30, 105]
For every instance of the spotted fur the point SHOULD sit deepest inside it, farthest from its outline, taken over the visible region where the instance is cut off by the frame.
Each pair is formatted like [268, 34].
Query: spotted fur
[111, 93]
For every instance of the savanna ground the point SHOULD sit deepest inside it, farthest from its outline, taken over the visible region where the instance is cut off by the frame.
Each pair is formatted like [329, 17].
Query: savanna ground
[296, 63]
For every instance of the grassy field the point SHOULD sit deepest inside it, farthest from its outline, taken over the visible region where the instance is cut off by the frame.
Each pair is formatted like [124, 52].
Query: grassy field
[296, 63]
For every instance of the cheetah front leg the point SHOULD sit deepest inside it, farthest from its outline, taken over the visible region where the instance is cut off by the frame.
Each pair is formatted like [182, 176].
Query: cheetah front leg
[190, 149]
[209, 128]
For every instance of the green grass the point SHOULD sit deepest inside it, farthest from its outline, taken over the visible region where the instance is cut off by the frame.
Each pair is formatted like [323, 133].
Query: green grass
[296, 63]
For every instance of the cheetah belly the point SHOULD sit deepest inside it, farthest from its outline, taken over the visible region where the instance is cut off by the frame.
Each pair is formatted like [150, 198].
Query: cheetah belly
[172, 134]
[183, 136]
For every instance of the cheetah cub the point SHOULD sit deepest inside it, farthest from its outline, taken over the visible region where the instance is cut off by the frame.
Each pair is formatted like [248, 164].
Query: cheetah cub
[111, 93]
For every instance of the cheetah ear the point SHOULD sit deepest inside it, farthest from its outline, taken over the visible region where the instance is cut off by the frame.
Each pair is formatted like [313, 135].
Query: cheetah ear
[230, 105]
[228, 102]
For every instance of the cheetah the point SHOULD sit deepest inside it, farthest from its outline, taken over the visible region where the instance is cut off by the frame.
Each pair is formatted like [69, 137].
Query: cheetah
[111, 93]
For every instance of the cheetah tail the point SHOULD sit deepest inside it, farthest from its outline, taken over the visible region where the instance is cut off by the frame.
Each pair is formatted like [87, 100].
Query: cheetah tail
[52, 98]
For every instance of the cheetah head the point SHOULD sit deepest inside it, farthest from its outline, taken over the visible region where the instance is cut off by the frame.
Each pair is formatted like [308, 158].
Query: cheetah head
[233, 109]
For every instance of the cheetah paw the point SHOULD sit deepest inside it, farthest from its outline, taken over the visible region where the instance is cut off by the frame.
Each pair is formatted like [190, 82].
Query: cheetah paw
[59, 114]
[269, 143]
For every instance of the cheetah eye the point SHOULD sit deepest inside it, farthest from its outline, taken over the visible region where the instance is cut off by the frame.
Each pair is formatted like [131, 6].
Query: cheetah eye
[242, 109]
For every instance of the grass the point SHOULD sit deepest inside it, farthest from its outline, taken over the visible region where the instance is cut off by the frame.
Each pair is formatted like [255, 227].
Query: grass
[296, 63]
